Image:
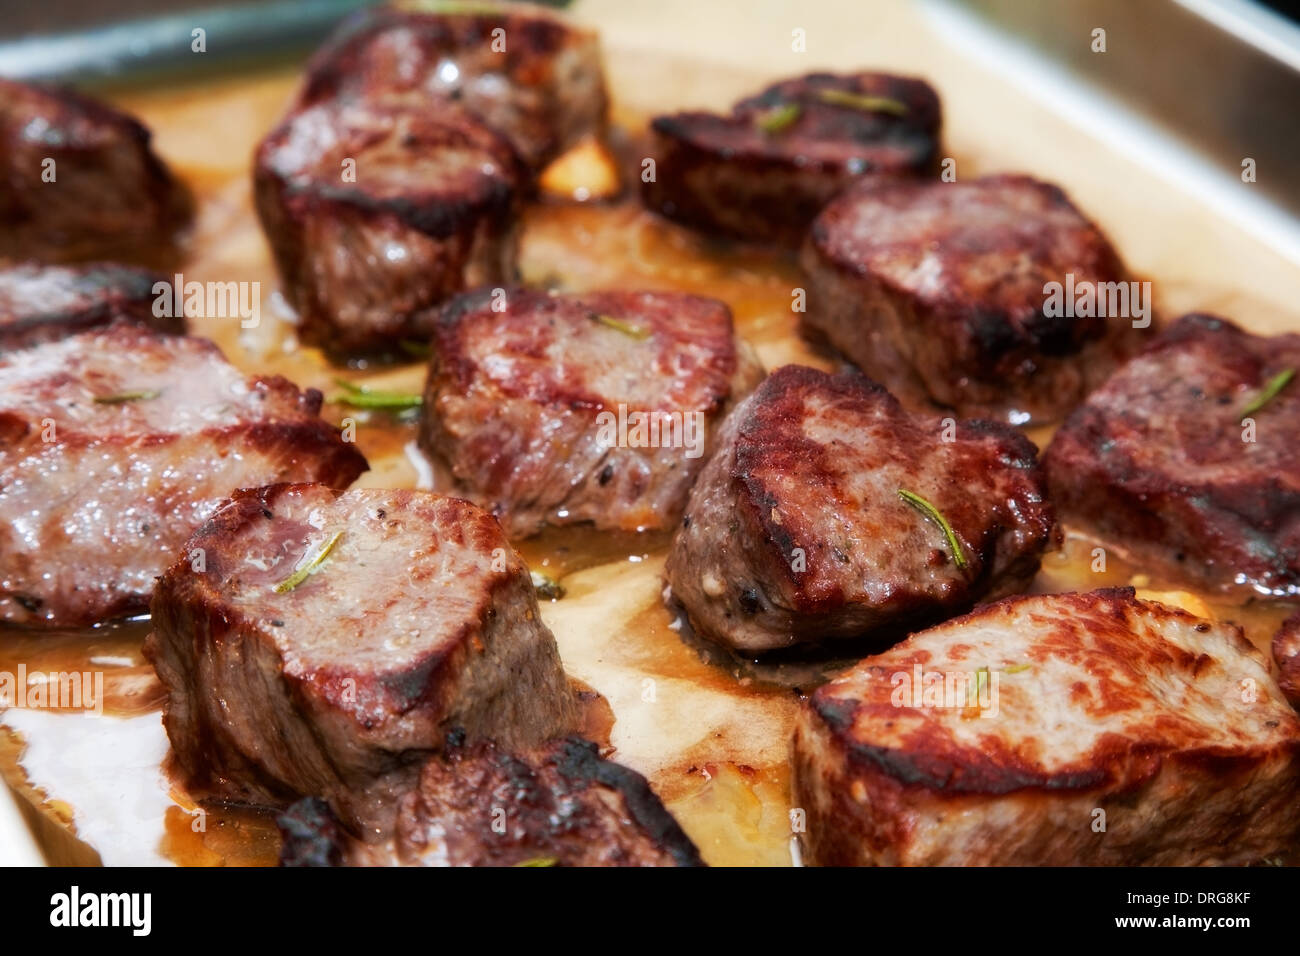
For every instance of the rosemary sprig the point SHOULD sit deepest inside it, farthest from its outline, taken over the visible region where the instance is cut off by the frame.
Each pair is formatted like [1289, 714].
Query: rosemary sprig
[308, 567]
[618, 325]
[122, 398]
[453, 7]
[414, 348]
[359, 396]
[1270, 391]
[779, 118]
[862, 101]
[933, 513]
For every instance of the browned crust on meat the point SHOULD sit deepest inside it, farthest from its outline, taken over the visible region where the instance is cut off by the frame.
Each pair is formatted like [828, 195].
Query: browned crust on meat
[885, 804]
[723, 174]
[566, 806]
[419, 687]
[354, 732]
[1156, 462]
[459, 523]
[975, 337]
[1286, 654]
[770, 442]
[935, 762]
[84, 586]
[361, 61]
[455, 227]
[527, 443]
[563, 802]
[112, 196]
[776, 517]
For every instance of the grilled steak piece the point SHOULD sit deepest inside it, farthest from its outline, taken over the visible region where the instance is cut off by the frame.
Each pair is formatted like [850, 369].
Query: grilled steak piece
[1286, 652]
[332, 639]
[939, 291]
[520, 69]
[377, 209]
[764, 171]
[554, 409]
[1062, 729]
[115, 444]
[1159, 464]
[78, 180]
[556, 805]
[42, 303]
[798, 531]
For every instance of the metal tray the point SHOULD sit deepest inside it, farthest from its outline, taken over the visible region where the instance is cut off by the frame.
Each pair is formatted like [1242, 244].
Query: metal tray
[1150, 95]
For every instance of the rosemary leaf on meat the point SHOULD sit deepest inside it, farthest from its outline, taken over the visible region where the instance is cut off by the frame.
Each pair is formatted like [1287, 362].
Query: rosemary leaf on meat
[416, 349]
[780, 118]
[456, 7]
[933, 513]
[308, 567]
[861, 101]
[1270, 391]
[121, 398]
[618, 325]
[359, 396]
[1016, 668]
[539, 861]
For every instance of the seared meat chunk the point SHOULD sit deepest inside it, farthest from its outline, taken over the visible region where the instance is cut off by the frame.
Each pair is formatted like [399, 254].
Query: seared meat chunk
[519, 68]
[556, 805]
[596, 407]
[764, 171]
[115, 444]
[41, 303]
[330, 640]
[1063, 729]
[377, 209]
[78, 181]
[941, 292]
[821, 516]
[1286, 652]
[1169, 463]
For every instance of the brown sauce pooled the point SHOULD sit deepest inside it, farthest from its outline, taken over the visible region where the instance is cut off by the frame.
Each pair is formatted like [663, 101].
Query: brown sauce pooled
[1077, 567]
[219, 835]
[107, 656]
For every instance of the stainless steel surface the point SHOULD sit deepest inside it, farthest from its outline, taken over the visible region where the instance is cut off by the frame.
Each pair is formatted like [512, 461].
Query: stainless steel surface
[1223, 76]
[99, 50]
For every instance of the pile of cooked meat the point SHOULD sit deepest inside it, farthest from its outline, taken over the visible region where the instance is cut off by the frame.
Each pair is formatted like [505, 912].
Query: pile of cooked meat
[373, 665]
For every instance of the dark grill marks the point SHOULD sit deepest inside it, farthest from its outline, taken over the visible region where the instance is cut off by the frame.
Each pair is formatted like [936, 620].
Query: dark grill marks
[1161, 463]
[938, 290]
[561, 805]
[798, 536]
